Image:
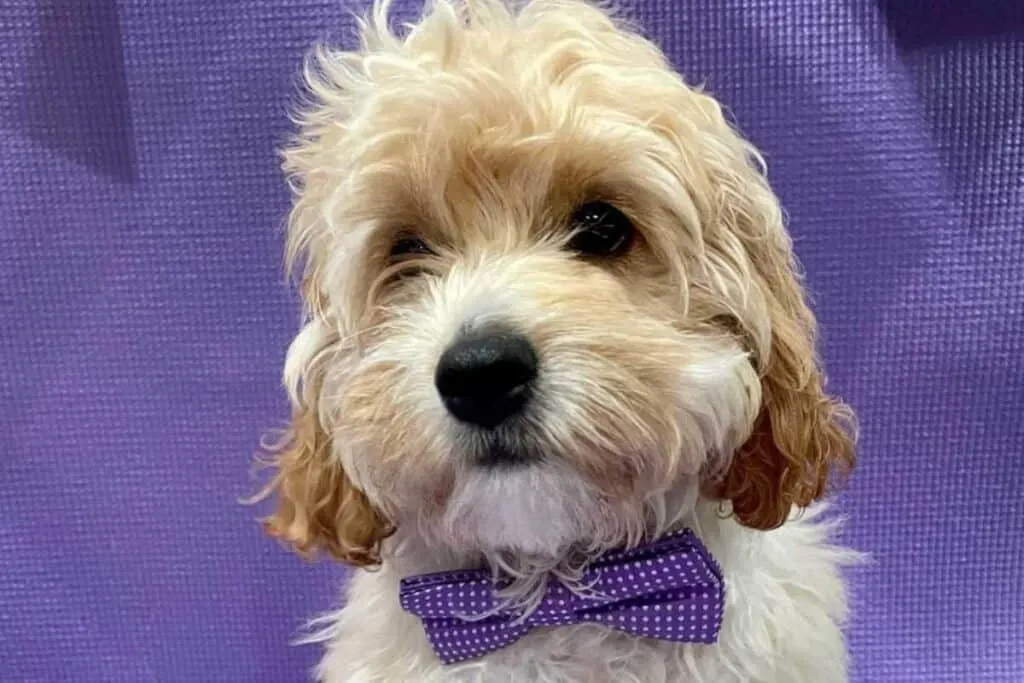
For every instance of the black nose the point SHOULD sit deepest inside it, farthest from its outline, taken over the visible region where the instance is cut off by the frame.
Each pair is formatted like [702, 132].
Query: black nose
[484, 378]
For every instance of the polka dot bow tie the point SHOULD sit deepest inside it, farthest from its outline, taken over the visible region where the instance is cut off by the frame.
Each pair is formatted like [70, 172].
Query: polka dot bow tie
[669, 590]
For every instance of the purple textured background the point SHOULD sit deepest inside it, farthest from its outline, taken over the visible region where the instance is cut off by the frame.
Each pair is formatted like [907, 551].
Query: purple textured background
[144, 318]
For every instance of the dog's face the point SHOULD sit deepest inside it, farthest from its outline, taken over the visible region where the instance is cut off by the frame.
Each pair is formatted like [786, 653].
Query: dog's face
[547, 290]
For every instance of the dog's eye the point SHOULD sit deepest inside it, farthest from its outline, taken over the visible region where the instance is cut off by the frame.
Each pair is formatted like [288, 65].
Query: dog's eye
[601, 230]
[407, 247]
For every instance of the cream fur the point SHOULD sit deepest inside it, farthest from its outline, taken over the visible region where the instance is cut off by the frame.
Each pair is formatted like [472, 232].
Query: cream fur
[679, 382]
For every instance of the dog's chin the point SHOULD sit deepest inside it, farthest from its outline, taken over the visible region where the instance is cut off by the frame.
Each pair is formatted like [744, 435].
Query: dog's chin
[542, 512]
[531, 509]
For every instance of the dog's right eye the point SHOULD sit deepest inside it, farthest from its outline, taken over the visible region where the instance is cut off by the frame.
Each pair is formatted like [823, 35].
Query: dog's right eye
[407, 247]
[601, 230]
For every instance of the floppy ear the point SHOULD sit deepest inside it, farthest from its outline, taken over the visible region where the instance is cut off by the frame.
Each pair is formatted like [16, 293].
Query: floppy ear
[318, 507]
[802, 434]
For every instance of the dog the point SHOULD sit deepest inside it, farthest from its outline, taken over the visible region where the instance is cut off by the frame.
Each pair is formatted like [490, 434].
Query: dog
[552, 315]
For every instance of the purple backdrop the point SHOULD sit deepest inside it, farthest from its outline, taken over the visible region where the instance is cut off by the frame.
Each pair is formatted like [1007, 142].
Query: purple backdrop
[144, 316]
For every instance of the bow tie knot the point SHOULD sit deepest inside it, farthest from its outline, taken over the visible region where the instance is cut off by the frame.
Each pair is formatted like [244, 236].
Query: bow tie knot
[671, 589]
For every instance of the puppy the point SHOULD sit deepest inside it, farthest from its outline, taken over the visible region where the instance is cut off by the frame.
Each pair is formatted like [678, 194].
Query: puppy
[551, 313]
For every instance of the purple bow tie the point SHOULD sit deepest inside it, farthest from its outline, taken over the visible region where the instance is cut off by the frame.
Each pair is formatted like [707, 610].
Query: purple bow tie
[671, 589]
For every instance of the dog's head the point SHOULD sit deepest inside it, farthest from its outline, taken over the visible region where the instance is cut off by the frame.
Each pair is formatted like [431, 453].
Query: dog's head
[547, 287]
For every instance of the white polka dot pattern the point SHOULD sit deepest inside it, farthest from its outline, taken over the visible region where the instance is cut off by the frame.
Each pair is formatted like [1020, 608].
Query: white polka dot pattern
[671, 589]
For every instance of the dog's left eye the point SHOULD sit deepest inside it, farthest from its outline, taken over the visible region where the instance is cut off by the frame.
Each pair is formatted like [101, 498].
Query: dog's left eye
[407, 247]
[601, 230]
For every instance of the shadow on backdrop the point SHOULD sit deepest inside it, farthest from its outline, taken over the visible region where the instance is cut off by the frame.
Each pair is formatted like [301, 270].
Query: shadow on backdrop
[76, 101]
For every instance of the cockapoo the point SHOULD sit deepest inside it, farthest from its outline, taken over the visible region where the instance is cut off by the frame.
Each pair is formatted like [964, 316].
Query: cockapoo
[556, 394]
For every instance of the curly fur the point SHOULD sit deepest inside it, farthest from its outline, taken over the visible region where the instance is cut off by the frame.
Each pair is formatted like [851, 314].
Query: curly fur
[680, 384]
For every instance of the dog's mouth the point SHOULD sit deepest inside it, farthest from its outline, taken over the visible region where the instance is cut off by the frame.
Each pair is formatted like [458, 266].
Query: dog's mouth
[508, 446]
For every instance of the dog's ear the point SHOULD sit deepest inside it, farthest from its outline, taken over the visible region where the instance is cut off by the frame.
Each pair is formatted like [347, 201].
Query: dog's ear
[318, 507]
[802, 434]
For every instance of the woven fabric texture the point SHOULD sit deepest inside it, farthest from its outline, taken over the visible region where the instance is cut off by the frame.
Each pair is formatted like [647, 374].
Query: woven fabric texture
[144, 317]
